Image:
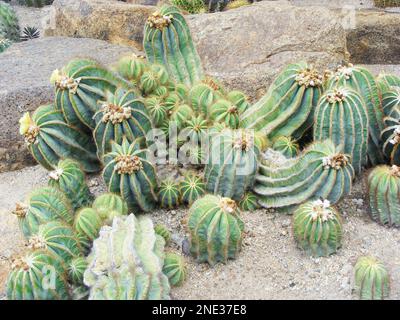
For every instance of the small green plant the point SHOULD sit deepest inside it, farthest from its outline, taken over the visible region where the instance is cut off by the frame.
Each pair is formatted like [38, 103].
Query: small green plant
[162, 231]
[76, 269]
[248, 202]
[192, 188]
[30, 33]
[110, 205]
[169, 194]
[9, 25]
[287, 146]
[175, 269]
[87, 226]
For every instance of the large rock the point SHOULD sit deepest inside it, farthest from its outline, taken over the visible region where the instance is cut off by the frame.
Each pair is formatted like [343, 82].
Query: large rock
[25, 70]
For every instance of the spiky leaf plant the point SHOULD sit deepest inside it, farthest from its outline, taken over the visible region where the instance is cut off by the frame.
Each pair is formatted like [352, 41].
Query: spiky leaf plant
[167, 31]
[9, 25]
[248, 202]
[109, 205]
[175, 269]
[87, 226]
[131, 257]
[322, 170]
[391, 137]
[49, 138]
[38, 275]
[215, 228]
[371, 279]
[384, 190]
[192, 188]
[30, 33]
[128, 173]
[169, 194]
[287, 146]
[317, 228]
[76, 269]
[43, 205]
[162, 231]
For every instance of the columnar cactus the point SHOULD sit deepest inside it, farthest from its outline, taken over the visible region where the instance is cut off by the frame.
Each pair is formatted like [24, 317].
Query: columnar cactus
[126, 262]
[287, 146]
[175, 269]
[70, 179]
[288, 105]
[167, 31]
[76, 269]
[128, 173]
[37, 276]
[317, 228]
[109, 205]
[9, 25]
[78, 87]
[87, 226]
[371, 279]
[43, 205]
[169, 194]
[216, 230]
[121, 115]
[341, 116]
[232, 163]
[363, 82]
[49, 138]
[384, 200]
[192, 188]
[248, 202]
[391, 137]
[320, 171]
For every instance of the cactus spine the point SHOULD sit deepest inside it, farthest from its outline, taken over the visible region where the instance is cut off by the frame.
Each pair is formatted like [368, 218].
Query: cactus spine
[341, 117]
[215, 228]
[384, 195]
[169, 194]
[317, 228]
[128, 173]
[167, 41]
[175, 269]
[130, 256]
[9, 25]
[320, 171]
[371, 279]
[192, 188]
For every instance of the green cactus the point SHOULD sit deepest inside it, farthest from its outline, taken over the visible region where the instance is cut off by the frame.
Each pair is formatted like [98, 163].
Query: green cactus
[192, 188]
[287, 146]
[35, 3]
[121, 115]
[78, 87]
[9, 25]
[69, 178]
[386, 81]
[391, 101]
[44, 205]
[166, 31]
[363, 82]
[169, 194]
[248, 202]
[29, 278]
[131, 68]
[232, 163]
[87, 226]
[128, 173]
[320, 171]
[215, 228]
[195, 131]
[110, 205]
[387, 3]
[4, 44]
[341, 116]
[175, 269]
[371, 279]
[59, 239]
[162, 231]
[190, 6]
[317, 228]
[153, 78]
[391, 137]
[157, 110]
[180, 115]
[204, 94]
[216, 5]
[76, 269]
[130, 256]
[49, 138]
[287, 108]
[384, 189]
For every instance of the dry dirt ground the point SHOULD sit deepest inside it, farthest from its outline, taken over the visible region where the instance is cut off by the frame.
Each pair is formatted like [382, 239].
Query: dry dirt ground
[269, 266]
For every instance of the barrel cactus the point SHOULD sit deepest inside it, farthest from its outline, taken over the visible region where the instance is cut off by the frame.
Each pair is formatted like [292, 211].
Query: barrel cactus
[37, 276]
[167, 31]
[44, 205]
[70, 179]
[192, 188]
[122, 114]
[287, 107]
[248, 202]
[204, 94]
[162, 231]
[110, 205]
[385, 81]
[78, 87]
[131, 67]
[154, 79]
[175, 269]
[384, 189]
[195, 131]
[232, 163]
[126, 262]
[128, 173]
[49, 138]
[76, 269]
[371, 279]
[87, 226]
[391, 137]
[317, 228]
[169, 194]
[320, 171]
[341, 116]
[287, 145]
[215, 228]
[190, 6]
[9, 25]
[157, 110]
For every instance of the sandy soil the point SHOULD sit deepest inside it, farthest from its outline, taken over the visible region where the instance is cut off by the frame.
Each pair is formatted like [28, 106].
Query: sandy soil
[269, 266]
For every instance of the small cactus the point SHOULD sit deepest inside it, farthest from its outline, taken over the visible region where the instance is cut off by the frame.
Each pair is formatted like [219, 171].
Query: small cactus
[248, 202]
[162, 231]
[204, 94]
[287, 146]
[175, 269]
[169, 194]
[110, 205]
[192, 188]
[87, 226]
[76, 269]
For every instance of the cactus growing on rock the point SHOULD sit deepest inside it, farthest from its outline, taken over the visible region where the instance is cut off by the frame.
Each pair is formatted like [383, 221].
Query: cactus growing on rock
[109, 205]
[192, 188]
[384, 190]
[287, 146]
[215, 228]
[320, 171]
[175, 269]
[166, 31]
[130, 257]
[317, 228]
[232, 163]
[49, 138]
[29, 278]
[169, 194]
[87, 225]
[371, 279]
[44, 205]
[69, 178]
[9, 25]
[341, 116]
[391, 137]
[128, 173]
